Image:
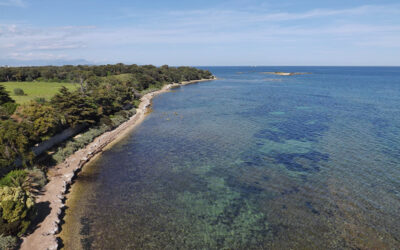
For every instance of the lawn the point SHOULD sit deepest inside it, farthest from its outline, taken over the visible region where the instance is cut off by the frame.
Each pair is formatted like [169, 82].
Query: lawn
[122, 77]
[35, 89]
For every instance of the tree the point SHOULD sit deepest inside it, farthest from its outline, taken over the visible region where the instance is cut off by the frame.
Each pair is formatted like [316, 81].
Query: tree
[43, 117]
[75, 107]
[14, 143]
[4, 96]
[16, 210]
[81, 77]
[7, 109]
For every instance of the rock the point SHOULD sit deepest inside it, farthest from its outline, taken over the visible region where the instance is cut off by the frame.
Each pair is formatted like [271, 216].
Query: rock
[59, 211]
[53, 246]
[68, 178]
[54, 230]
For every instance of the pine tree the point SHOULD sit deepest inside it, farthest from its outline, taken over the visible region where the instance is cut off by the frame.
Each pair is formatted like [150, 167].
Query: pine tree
[4, 96]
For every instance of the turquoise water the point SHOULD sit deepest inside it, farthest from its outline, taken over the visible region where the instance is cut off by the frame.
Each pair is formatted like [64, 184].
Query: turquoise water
[252, 161]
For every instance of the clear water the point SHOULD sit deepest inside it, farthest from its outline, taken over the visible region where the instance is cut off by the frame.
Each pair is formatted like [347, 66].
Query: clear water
[252, 161]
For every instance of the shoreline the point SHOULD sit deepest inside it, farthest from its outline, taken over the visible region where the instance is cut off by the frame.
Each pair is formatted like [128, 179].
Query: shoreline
[62, 175]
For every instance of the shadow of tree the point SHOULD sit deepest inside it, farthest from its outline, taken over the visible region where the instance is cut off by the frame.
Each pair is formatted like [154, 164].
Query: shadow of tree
[43, 210]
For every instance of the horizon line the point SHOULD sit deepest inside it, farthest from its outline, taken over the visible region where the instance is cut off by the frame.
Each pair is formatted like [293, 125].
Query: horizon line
[159, 65]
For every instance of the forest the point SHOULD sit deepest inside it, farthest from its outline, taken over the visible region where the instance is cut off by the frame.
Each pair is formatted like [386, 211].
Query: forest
[107, 96]
[146, 74]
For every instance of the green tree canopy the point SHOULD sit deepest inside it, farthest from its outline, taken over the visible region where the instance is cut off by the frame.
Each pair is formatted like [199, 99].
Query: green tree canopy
[14, 142]
[4, 96]
[43, 117]
[75, 107]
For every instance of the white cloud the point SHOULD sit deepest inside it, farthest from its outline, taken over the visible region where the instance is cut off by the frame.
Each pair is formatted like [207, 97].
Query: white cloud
[318, 13]
[36, 56]
[226, 17]
[205, 29]
[14, 3]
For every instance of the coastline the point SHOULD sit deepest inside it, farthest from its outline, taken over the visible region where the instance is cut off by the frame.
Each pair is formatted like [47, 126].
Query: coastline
[61, 176]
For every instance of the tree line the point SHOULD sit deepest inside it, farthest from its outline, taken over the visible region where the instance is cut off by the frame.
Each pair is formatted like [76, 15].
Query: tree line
[69, 73]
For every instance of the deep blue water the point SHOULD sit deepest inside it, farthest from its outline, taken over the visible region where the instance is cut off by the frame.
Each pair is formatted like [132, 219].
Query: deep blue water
[252, 161]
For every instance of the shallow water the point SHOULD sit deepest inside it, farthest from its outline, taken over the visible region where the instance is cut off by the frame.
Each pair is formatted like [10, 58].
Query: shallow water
[252, 161]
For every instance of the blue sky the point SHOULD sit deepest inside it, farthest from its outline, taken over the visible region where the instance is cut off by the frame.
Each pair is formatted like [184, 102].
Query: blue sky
[251, 32]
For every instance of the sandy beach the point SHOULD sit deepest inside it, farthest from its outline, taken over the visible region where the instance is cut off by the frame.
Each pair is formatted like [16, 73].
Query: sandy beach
[60, 177]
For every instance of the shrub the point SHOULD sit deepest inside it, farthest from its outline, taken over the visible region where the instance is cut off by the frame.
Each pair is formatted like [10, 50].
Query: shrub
[87, 137]
[106, 121]
[12, 177]
[19, 92]
[9, 108]
[40, 100]
[16, 210]
[118, 120]
[35, 180]
[3, 113]
[29, 180]
[8, 242]
[79, 142]
[136, 103]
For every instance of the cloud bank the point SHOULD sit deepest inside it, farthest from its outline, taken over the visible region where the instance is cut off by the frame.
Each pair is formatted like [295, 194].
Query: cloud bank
[172, 36]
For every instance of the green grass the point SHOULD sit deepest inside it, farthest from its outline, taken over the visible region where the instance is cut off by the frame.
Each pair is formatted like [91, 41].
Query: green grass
[35, 89]
[123, 77]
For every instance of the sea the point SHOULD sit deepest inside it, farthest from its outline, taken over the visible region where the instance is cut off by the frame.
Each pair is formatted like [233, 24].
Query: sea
[252, 160]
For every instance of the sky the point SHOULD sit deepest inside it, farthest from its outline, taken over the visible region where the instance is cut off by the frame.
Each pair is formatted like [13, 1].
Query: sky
[200, 33]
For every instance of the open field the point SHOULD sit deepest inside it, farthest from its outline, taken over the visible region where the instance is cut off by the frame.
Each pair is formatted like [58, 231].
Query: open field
[35, 89]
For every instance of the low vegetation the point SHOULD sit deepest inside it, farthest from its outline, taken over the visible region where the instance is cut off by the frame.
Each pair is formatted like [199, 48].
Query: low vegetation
[47, 100]
[32, 91]
[8, 242]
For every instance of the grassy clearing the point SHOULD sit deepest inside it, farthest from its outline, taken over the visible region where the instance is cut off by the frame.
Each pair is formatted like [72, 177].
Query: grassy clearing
[123, 77]
[35, 89]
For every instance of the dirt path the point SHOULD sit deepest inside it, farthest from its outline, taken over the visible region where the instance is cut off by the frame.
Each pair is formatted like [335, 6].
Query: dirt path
[60, 177]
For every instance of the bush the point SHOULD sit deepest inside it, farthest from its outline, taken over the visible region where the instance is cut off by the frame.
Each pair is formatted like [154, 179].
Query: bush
[12, 177]
[118, 120]
[9, 108]
[106, 121]
[16, 211]
[8, 242]
[29, 180]
[40, 100]
[36, 178]
[87, 137]
[136, 103]
[78, 142]
[19, 92]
